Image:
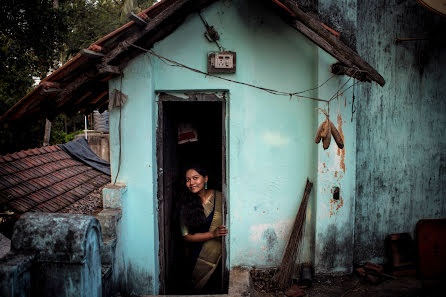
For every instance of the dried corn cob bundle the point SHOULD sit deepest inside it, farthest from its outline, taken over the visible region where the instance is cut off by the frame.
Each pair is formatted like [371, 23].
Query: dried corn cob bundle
[327, 139]
[318, 132]
[325, 127]
[336, 135]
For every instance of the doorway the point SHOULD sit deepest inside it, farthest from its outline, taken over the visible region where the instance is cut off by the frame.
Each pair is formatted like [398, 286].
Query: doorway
[190, 130]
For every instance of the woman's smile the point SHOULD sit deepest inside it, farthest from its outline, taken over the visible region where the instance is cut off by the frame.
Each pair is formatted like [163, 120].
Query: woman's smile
[195, 182]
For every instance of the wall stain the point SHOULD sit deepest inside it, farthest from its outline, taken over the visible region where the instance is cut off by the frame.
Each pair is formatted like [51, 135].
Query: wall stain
[138, 282]
[335, 205]
[341, 152]
[270, 237]
[332, 245]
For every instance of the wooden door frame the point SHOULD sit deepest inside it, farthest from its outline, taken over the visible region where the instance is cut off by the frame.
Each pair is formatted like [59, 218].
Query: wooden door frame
[192, 96]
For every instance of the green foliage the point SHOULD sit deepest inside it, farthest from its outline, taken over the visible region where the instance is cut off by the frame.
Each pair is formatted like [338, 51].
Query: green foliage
[59, 137]
[35, 38]
[88, 21]
[31, 34]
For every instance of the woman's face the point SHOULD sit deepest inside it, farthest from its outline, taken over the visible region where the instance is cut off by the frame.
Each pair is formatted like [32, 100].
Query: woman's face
[195, 181]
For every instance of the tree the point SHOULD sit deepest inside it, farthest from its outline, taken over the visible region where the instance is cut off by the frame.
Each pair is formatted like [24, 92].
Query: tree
[36, 38]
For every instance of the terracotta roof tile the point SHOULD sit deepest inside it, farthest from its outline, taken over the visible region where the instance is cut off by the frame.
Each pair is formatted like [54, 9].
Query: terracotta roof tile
[37, 197]
[45, 179]
[35, 160]
[7, 158]
[20, 206]
[14, 156]
[22, 154]
[35, 151]
[69, 196]
[3, 184]
[47, 149]
[15, 191]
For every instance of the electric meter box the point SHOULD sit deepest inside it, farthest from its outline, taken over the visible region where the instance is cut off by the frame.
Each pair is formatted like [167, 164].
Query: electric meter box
[221, 62]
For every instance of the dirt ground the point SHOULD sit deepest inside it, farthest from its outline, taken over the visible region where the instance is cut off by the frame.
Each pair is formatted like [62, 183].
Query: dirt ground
[355, 286]
[351, 286]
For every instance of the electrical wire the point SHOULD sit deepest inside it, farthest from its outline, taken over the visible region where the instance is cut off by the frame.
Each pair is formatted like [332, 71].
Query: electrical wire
[119, 129]
[341, 90]
[271, 91]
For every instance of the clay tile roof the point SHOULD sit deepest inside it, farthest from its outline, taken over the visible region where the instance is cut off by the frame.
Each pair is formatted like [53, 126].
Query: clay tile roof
[46, 179]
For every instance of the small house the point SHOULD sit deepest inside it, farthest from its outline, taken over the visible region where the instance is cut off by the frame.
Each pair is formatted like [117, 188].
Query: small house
[239, 86]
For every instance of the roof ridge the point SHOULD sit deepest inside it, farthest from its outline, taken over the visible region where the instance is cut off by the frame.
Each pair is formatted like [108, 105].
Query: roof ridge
[29, 152]
[30, 157]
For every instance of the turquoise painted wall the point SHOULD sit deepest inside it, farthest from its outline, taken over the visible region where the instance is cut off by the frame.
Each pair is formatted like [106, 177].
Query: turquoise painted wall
[271, 148]
[138, 236]
[401, 152]
[270, 156]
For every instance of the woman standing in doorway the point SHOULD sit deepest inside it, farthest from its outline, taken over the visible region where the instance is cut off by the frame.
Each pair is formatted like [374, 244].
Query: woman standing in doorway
[202, 229]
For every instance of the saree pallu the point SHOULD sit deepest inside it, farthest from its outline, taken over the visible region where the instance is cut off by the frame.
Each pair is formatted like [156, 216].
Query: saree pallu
[210, 253]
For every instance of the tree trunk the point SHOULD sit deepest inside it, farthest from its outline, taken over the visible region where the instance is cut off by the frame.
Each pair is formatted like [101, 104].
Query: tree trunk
[46, 138]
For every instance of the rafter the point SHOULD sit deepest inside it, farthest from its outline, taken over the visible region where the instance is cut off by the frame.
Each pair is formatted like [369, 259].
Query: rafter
[332, 44]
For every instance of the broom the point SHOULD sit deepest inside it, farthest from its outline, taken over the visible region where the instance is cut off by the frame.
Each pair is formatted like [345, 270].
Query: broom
[285, 271]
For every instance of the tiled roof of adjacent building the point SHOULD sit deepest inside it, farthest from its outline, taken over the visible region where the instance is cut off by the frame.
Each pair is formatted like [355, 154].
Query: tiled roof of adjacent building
[45, 179]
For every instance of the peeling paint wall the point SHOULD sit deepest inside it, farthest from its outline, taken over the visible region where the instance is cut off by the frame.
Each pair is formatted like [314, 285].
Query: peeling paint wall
[336, 168]
[400, 157]
[401, 151]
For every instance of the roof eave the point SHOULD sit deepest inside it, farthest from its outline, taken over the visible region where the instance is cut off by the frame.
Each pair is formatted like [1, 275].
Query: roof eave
[303, 22]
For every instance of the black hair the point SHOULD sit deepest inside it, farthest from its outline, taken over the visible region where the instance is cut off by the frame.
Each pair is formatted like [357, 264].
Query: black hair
[192, 213]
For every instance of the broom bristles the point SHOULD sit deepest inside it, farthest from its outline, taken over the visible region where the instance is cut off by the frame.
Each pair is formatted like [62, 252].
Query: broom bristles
[285, 271]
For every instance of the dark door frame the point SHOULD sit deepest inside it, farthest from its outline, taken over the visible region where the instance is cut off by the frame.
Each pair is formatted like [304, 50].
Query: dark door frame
[192, 96]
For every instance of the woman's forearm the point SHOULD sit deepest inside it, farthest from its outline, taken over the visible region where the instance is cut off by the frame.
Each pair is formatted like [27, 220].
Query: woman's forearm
[198, 237]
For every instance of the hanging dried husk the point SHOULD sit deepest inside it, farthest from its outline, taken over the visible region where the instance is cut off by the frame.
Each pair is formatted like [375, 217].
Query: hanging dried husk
[336, 135]
[327, 139]
[319, 132]
[327, 129]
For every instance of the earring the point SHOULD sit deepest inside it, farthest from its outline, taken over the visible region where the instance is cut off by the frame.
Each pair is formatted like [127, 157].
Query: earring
[206, 186]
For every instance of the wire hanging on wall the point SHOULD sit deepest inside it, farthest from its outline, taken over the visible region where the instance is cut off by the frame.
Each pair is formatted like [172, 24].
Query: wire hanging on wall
[341, 90]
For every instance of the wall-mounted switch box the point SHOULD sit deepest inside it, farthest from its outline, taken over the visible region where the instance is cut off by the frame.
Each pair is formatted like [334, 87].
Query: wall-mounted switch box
[221, 62]
[224, 61]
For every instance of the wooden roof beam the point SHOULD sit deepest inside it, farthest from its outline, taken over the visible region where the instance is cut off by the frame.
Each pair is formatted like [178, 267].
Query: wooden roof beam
[341, 69]
[98, 98]
[109, 69]
[156, 21]
[91, 54]
[137, 19]
[66, 93]
[333, 45]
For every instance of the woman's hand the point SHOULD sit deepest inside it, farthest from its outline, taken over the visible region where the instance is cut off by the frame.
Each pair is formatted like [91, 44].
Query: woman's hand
[220, 231]
[200, 237]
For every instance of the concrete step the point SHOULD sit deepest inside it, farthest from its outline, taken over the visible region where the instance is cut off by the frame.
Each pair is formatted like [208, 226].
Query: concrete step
[109, 219]
[108, 251]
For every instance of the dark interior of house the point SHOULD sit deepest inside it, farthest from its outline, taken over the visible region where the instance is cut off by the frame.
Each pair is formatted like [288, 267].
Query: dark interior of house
[192, 134]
